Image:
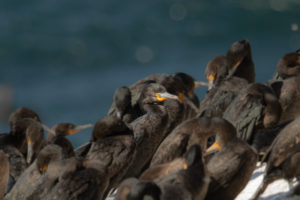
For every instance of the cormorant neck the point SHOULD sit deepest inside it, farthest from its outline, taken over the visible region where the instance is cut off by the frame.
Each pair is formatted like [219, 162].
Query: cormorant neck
[225, 131]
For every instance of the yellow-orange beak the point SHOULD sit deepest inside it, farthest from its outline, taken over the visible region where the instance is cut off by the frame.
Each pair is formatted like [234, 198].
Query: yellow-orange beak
[44, 169]
[213, 147]
[159, 98]
[238, 63]
[72, 131]
[180, 97]
[211, 79]
[164, 96]
[185, 166]
[79, 128]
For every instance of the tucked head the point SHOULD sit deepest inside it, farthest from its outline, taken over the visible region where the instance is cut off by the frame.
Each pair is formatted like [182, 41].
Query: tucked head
[289, 65]
[216, 70]
[107, 126]
[224, 132]
[35, 140]
[22, 113]
[187, 83]
[51, 153]
[181, 84]
[237, 52]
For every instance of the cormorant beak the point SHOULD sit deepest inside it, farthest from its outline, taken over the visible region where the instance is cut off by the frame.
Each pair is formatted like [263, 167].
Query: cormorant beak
[211, 79]
[190, 102]
[79, 128]
[29, 151]
[180, 97]
[214, 147]
[232, 71]
[237, 63]
[200, 84]
[165, 95]
[43, 169]
[185, 166]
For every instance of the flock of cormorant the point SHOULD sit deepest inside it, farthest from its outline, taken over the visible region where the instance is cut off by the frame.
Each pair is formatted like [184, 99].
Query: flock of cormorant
[158, 141]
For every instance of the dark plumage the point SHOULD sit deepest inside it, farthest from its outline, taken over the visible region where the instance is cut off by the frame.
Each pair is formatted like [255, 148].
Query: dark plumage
[283, 157]
[152, 127]
[162, 170]
[22, 113]
[230, 73]
[240, 60]
[225, 90]
[122, 99]
[193, 131]
[4, 173]
[288, 66]
[188, 183]
[256, 108]
[172, 111]
[58, 132]
[288, 94]
[122, 107]
[86, 182]
[32, 143]
[180, 84]
[216, 70]
[17, 135]
[107, 126]
[230, 169]
[264, 138]
[183, 84]
[285, 84]
[113, 145]
[35, 175]
[67, 178]
[17, 164]
[35, 140]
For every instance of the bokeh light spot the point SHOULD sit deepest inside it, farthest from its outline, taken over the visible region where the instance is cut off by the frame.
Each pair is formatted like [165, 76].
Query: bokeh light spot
[144, 54]
[294, 27]
[177, 12]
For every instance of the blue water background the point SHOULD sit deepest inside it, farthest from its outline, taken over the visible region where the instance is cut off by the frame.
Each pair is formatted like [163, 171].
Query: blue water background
[65, 59]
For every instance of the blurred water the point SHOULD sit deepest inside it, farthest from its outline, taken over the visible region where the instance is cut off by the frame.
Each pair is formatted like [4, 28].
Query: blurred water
[64, 59]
